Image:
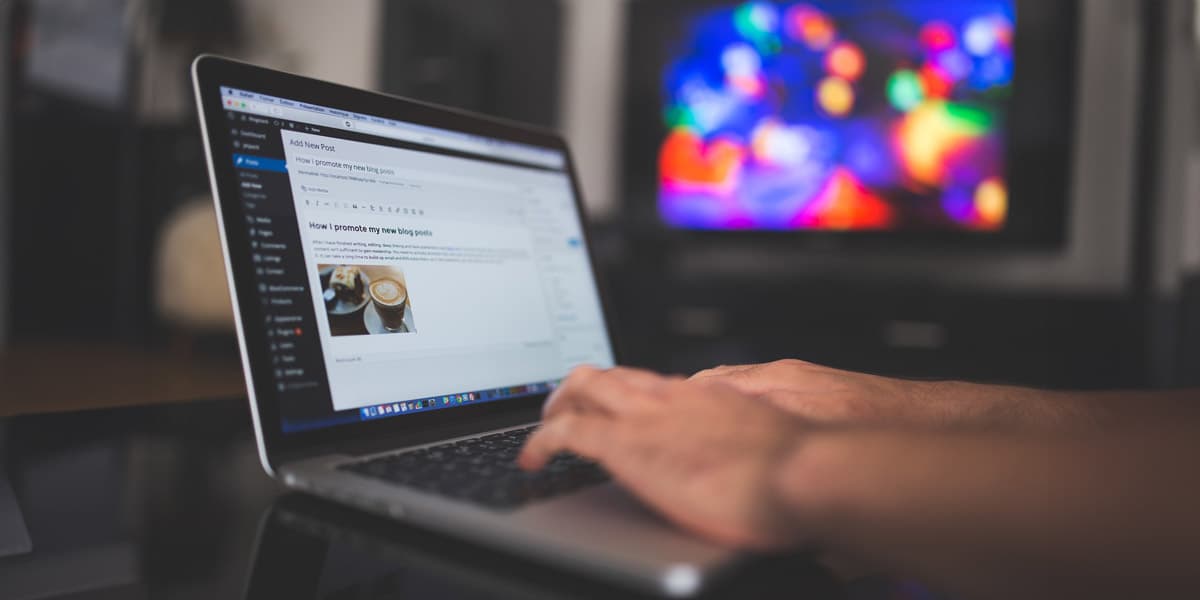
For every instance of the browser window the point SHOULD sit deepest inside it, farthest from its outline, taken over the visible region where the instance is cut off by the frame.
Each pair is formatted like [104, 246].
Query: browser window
[403, 268]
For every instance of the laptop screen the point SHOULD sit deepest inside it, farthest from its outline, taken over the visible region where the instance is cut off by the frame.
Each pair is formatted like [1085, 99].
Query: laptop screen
[403, 269]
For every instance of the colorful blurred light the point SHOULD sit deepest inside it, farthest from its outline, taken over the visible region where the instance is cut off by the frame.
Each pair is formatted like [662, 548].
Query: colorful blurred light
[955, 63]
[775, 118]
[774, 143]
[835, 96]
[938, 36]
[706, 108]
[968, 120]
[846, 60]
[811, 27]
[991, 204]
[905, 90]
[743, 68]
[844, 203]
[760, 139]
[741, 59]
[959, 205]
[758, 22]
[985, 35]
[688, 162]
[1004, 35]
[763, 17]
[752, 87]
[933, 131]
[870, 159]
[935, 83]
[994, 71]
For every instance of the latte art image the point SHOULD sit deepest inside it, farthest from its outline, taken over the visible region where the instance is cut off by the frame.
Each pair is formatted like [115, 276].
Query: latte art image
[363, 300]
[386, 291]
[390, 298]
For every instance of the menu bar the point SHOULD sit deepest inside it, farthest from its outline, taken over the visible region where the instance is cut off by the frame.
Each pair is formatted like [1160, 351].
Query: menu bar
[282, 108]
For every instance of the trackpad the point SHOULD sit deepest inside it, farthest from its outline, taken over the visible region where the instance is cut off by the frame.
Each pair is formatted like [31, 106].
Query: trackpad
[608, 515]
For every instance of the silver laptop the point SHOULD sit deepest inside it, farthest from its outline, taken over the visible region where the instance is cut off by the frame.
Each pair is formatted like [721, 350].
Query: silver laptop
[409, 283]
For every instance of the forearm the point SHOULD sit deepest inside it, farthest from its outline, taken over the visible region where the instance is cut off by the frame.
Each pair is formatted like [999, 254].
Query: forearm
[994, 407]
[828, 396]
[966, 512]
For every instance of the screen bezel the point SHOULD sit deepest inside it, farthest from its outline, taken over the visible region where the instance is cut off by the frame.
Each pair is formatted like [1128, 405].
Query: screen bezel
[1042, 108]
[210, 74]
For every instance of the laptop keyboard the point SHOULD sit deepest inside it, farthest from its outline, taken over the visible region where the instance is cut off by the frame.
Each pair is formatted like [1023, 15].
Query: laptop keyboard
[482, 470]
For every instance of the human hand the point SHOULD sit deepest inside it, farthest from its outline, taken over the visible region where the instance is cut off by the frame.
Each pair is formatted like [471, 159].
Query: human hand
[831, 396]
[704, 455]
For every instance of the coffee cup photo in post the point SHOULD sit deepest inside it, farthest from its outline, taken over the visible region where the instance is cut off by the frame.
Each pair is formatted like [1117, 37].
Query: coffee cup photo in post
[366, 299]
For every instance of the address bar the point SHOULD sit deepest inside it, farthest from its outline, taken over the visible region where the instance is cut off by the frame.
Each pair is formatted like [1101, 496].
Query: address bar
[453, 143]
[428, 139]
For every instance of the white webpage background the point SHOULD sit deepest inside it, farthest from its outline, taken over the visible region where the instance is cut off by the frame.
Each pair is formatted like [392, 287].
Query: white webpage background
[529, 317]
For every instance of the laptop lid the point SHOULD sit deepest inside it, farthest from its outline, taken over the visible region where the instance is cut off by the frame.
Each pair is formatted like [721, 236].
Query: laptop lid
[400, 271]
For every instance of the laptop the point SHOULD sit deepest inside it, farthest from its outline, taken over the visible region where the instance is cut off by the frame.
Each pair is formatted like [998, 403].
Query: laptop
[410, 282]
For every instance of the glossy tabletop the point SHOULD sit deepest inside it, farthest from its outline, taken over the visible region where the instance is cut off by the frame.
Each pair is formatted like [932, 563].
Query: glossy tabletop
[170, 502]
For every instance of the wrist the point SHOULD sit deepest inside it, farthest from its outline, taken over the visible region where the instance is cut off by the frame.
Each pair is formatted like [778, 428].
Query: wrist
[960, 403]
[809, 489]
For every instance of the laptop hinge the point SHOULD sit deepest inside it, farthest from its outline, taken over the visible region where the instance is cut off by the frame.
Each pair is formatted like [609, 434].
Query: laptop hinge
[382, 443]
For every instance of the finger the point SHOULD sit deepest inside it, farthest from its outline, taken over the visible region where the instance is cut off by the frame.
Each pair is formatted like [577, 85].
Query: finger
[580, 434]
[562, 398]
[612, 392]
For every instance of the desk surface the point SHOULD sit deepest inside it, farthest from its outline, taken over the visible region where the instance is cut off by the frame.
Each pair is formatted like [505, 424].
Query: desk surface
[58, 377]
[170, 502]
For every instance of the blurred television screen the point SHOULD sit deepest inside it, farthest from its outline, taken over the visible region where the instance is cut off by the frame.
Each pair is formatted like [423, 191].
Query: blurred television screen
[874, 115]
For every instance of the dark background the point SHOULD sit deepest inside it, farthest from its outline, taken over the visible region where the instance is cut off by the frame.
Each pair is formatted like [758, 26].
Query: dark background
[103, 190]
[93, 181]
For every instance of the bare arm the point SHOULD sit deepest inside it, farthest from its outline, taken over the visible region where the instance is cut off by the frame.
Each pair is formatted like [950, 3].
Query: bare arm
[1106, 509]
[1003, 515]
[831, 396]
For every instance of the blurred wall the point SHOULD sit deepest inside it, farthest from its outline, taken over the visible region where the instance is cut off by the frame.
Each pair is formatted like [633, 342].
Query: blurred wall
[1163, 194]
[1191, 222]
[496, 57]
[1173, 119]
[591, 93]
[5, 198]
[338, 41]
[326, 40]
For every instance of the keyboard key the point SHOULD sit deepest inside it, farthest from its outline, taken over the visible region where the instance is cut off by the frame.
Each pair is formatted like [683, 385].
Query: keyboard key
[482, 470]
